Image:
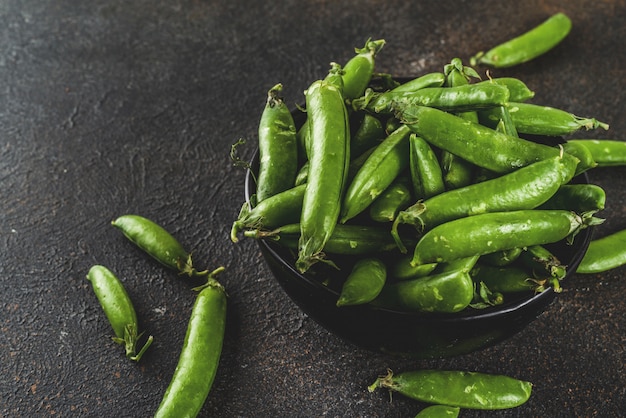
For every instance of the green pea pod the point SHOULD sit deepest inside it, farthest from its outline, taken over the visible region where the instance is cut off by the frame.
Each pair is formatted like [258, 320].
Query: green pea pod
[364, 283]
[426, 174]
[579, 198]
[498, 118]
[527, 46]
[345, 239]
[604, 254]
[585, 158]
[507, 279]
[439, 411]
[395, 198]
[471, 390]
[477, 144]
[605, 152]
[401, 269]
[156, 242]
[434, 79]
[278, 149]
[357, 162]
[502, 258]
[369, 133]
[518, 90]
[279, 209]
[454, 99]
[329, 158]
[118, 309]
[359, 69]
[543, 265]
[200, 354]
[302, 175]
[535, 119]
[446, 292]
[380, 169]
[490, 232]
[525, 188]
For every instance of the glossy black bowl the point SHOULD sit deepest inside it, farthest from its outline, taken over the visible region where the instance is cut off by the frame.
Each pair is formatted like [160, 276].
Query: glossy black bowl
[418, 335]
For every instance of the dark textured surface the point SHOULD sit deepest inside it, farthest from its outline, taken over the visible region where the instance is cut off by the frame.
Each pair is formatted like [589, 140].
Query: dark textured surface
[110, 107]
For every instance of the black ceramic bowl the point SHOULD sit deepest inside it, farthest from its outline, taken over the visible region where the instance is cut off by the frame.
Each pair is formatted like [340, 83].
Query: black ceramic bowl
[419, 335]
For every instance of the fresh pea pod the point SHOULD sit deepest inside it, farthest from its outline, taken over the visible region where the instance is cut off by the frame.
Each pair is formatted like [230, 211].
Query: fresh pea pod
[518, 90]
[490, 232]
[525, 188]
[156, 242]
[502, 258]
[281, 208]
[434, 79]
[364, 283]
[380, 169]
[329, 158]
[278, 149]
[534, 119]
[604, 254]
[345, 239]
[543, 265]
[579, 198]
[471, 390]
[358, 71]
[585, 158]
[498, 118]
[507, 279]
[303, 174]
[426, 173]
[200, 355]
[369, 133]
[395, 198]
[455, 99]
[605, 152]
[446, 292]
[118, 309]
[401, 269]
[477, 144]
[528, 45]
[439, 411]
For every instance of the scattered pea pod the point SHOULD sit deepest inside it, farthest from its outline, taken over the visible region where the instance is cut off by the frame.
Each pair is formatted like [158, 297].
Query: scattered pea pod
[534, 119]
[118, 309]
[439, 411]
[605, 152]
[604, 254]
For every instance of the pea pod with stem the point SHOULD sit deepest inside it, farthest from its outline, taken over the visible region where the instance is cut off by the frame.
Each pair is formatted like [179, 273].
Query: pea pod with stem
[157, 242]
[329, 158]
[471, 390]
[359, 69]
[480, 145]
[524, 188]
[543, 265]
[278, 149]
[579, 198]
[507, 279]
[490, 232]
[527, 46]
[118, 309]
[535, 119]
[199, 358]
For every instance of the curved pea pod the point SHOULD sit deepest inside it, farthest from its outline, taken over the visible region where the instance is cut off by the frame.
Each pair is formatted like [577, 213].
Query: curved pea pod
[604, 254]
[358, 71]
[279, 209]
[401, 269]
[303, 174]
[439, 411]
[471, 390]
[605, 152]
[329, 158]
[527, 46]
[585, 158]
[490, 232]
[543, 265]
[426, 173]
[395, 198]
[118, 309]
[364, 283]
[518, 90]
[507, 279]
[525, 188]
[380, 169]
[579, 198]
[278, 149]
[435, 79]
[369, 133]
[446, 292]
[535, 119]
[345, 239]
[453, 99]
[502, 258]
[156, 242]
[478, 144]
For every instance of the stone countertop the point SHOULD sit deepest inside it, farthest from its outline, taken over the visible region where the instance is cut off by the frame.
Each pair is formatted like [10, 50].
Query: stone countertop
[113, 107]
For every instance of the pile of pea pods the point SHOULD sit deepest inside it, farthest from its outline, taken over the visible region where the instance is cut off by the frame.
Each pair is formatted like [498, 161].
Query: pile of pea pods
[445, 190]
